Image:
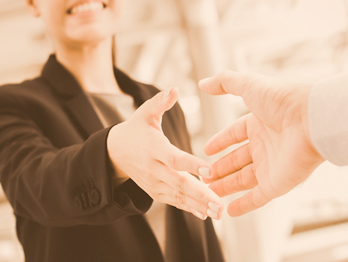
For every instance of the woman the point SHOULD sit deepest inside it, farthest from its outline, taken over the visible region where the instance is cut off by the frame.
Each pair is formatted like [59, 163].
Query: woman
[79, 188]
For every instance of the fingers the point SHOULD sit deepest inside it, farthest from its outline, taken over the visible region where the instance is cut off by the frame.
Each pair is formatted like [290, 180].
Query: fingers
[233, 134]
[231, 163]
[195, 189]
[181, 202]
[182, 190]
[242, 180]
[249, 202]
[179, 160]
[191, 189]
[184, 202]
[214, 85]
[153, 109]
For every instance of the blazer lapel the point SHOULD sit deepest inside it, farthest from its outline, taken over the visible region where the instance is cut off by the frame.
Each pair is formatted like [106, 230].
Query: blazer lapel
[83, 113]
[72, 97]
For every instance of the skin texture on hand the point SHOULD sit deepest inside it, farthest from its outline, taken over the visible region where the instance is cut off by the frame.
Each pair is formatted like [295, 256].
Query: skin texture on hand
[279, 154]
[138, 148]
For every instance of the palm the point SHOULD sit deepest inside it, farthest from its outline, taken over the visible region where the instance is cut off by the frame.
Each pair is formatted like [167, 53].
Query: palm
[268, 150]
[278, 156]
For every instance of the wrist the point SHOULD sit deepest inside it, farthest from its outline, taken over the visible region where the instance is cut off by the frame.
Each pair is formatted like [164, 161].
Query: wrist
[113, 151]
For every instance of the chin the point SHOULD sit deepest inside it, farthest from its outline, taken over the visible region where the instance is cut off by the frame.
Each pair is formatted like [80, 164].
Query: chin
[89, 35]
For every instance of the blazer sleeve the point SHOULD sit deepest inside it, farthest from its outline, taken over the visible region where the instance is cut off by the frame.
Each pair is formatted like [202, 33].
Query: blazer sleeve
[328, 118]
[61, 187]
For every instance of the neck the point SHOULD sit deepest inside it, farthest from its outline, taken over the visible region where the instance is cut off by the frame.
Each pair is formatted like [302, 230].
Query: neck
[91, 65]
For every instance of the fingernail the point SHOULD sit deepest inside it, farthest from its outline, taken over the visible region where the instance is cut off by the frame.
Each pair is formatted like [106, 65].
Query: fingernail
[167, 92]
[199, 215]
[215, 207]
[212, 214]
[204, 171]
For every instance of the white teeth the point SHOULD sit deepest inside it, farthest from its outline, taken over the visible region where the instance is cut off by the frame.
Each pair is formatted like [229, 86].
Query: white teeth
[87, 7]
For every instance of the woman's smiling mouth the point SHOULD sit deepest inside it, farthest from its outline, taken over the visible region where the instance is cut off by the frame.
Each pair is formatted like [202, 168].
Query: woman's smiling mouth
[84, 7]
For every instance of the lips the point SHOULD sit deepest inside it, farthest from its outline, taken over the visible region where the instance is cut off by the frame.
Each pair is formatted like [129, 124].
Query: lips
[84, 7]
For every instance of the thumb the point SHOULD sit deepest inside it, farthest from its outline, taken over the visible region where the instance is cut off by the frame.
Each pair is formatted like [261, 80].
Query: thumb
[216, 85]
[153, 109]
[230, 82]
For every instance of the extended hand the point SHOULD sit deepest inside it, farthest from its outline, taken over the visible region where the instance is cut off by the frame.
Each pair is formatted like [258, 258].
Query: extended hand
[139, 149]
[279, 154]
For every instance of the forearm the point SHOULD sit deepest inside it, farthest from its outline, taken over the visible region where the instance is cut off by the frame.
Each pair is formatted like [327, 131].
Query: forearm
[62, 187]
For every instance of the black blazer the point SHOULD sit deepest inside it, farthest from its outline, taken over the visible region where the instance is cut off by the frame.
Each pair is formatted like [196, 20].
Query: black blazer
[56, 173]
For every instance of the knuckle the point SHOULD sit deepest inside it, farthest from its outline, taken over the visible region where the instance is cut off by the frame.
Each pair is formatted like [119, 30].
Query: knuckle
[160, 197]
[172, 161]
[180, 183]
[240, 181]
[158, 186]
[248, 180]
[147, 169]
[232, 133]
[235, 160]
[218, 170]
[153, 195]
[179, 199]
[201, 195]
[226, 187]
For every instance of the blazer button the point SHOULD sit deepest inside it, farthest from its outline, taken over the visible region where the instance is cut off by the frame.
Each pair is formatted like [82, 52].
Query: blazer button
[94, 196]
[78, 202]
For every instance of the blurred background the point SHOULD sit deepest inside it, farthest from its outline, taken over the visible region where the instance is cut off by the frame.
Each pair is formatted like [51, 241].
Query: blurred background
[178, 42]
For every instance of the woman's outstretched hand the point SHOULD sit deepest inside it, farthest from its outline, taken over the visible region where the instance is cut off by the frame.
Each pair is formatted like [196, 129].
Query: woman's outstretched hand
[279, 154]
[139, 149]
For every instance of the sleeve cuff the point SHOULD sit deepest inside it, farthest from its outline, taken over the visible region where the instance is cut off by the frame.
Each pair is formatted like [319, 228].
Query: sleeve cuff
[328, 118]
[131, 198]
